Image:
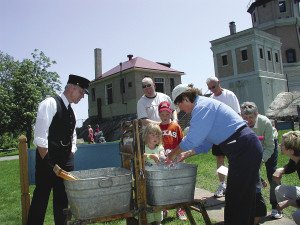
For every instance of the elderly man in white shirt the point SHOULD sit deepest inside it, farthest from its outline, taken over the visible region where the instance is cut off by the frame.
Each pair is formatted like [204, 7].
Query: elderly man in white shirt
[55, 138]
[229, 98]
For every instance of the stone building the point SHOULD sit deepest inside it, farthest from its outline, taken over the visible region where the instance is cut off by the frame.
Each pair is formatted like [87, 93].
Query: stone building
[115, 93]
[263, 61]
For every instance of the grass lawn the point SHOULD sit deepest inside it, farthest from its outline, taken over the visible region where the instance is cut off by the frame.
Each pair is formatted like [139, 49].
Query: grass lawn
[10, 203]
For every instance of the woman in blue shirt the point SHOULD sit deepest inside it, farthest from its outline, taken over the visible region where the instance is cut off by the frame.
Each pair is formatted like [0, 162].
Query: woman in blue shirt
[213, 122]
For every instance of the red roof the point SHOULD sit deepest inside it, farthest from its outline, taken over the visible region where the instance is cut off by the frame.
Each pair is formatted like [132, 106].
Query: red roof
[139, 62]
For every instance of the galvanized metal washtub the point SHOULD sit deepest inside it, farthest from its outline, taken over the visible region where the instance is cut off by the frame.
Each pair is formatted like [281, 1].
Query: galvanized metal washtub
[99, 192]
[170, 184]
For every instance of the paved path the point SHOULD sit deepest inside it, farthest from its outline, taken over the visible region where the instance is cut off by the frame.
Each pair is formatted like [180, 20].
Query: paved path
[4, 158]
[215, 209]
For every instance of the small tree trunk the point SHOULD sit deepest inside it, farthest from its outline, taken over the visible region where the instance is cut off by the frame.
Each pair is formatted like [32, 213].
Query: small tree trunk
[28, 133]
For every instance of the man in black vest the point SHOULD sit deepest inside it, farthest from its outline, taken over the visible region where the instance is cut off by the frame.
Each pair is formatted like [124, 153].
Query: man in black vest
[55, 138]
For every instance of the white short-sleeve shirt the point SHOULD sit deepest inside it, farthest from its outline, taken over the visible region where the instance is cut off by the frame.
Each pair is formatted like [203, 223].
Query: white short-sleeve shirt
[148, 107]
[229, 98]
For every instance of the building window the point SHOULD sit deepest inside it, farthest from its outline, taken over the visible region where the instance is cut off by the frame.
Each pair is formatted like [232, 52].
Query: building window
[291, 55]
[93, 94]
[276, 57]
[172, 84]
[109, 94]
[282, 6]
[269, 56]
[129, 84]
[122, 85]
[244, 55]
[224, 60]
[159, 84]
[261, 53]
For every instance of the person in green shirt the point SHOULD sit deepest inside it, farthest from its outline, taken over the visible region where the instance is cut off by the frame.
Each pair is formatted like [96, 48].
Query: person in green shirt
[263, 128]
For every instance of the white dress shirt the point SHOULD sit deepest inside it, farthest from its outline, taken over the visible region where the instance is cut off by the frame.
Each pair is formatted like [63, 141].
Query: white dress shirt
[46, 111]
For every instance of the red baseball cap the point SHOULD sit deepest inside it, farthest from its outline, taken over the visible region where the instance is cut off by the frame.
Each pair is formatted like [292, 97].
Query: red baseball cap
[165, 106]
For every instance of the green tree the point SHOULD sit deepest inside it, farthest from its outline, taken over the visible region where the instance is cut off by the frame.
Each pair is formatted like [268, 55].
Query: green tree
[22, 86]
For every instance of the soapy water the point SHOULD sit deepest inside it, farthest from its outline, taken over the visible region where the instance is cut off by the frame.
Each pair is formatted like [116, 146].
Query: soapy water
[161, 166]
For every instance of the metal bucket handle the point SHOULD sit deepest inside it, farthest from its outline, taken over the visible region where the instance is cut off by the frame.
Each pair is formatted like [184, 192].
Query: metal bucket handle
[105, 182]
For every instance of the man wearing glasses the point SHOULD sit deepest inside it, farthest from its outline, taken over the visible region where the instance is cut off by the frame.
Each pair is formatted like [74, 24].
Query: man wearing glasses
[147, 106]
[230, 99]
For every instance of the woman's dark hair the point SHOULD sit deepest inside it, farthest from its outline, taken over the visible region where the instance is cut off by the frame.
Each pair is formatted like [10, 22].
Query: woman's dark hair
[190, 93]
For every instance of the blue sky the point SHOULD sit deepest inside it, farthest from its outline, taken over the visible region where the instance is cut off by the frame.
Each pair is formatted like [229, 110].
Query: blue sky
[68, 31]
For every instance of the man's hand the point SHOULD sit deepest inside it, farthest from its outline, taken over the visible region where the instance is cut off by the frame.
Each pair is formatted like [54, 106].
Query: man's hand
[42, 151]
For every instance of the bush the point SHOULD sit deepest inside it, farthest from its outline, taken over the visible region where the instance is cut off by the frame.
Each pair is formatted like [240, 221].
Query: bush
[8, 140]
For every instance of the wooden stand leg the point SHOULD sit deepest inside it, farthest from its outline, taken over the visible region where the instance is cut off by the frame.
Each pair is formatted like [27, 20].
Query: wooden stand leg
[201, 208]
[190, 216]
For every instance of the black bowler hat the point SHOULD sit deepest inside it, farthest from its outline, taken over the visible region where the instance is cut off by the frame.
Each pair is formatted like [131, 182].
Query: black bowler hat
[80, 81]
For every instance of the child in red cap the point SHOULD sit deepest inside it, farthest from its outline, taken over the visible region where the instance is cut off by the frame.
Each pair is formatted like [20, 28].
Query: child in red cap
[172, 136]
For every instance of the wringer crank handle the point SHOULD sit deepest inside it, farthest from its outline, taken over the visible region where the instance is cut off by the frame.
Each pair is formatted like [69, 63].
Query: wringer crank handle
[63, 174]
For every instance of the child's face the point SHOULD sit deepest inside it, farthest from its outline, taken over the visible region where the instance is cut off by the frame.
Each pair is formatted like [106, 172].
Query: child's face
[165, 116]
[153, 139]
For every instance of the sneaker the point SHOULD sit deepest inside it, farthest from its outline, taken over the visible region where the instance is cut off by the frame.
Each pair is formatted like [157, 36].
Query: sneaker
[220, 192]
[275, 214]
[181, 214]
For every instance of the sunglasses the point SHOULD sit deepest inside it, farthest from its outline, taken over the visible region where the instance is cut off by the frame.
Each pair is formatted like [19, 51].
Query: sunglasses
[212, 87]
[146, 85]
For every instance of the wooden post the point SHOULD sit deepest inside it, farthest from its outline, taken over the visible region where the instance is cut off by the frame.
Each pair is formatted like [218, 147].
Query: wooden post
[25, 195]
[140, 180]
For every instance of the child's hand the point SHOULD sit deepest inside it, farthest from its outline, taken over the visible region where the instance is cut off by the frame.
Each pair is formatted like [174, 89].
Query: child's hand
[284, 204]
[154, 157]
[167, 152]
[277, 175]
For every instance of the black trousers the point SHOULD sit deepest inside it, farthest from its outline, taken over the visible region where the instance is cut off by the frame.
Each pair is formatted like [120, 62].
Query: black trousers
[45, 181]
[244, 153]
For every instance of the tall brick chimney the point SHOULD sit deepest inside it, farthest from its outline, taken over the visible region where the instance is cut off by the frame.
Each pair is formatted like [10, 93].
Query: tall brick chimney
[98, 62]
[232, 27]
